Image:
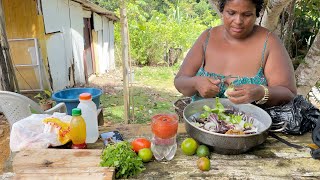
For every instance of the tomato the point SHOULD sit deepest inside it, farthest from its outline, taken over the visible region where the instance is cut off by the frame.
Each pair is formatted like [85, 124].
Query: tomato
[140, 143]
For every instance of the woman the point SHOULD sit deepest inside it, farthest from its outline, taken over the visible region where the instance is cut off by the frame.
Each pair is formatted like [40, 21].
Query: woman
[239, 53]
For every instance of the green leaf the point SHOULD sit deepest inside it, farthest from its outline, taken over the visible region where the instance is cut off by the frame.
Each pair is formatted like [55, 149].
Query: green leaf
[225, 117]
[235, 119]
[204, 115]
[247, 125]
[123, 158]
[206, 108]
[219, 105]
[116, 163]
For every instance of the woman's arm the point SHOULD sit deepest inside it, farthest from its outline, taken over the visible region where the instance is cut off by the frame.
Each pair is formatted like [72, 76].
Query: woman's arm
[279, 73]
[185, 81]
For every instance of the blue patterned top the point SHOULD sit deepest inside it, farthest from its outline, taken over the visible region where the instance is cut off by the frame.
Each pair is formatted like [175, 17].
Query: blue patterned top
[259, 78]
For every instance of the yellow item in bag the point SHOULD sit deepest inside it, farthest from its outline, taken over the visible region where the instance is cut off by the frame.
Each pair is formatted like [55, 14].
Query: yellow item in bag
[64, 135]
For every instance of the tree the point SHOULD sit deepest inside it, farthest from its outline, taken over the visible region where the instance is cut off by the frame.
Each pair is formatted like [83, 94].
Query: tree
[271, 14]
[307, 73]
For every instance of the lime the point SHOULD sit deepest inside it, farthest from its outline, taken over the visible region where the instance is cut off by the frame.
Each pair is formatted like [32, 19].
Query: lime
[203, 164]
[189, 146]
[203, 151]
[145, 154]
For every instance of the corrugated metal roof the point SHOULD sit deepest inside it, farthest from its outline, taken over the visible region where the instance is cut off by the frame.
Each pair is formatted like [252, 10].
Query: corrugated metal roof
[95, 8]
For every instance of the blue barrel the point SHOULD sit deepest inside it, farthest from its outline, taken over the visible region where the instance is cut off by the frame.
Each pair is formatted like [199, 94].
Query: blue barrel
[71, 97]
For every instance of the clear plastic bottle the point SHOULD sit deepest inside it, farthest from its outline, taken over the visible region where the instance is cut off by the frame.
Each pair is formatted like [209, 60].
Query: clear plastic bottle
[163, 148]
[164, 131]
[89, 114]
[77, 130]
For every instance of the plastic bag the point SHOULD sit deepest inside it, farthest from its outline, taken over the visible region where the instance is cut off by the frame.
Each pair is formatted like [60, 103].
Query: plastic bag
[316, 139]
[301, 116]
[32, 132]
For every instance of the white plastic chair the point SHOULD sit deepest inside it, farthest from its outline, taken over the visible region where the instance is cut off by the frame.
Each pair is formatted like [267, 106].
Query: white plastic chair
[16, 107]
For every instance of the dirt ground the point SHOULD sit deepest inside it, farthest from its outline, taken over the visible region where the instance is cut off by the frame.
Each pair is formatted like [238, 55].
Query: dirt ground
[4, 141]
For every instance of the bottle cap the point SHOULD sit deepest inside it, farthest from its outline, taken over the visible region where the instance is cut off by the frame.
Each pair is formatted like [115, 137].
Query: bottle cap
[85, 96]
[76, 112]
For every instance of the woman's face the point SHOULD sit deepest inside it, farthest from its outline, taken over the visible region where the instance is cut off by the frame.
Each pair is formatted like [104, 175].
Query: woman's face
[239, 17]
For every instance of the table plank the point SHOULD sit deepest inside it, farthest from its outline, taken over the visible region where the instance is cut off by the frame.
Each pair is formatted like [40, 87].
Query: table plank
[60, 163]
[65, 173]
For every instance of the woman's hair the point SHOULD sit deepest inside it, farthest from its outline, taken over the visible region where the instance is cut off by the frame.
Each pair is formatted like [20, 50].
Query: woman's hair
[257, 3]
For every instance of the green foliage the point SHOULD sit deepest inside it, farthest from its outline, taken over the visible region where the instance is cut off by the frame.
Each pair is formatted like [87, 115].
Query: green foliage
[157, 26]
[44, 97]
[123, 158]
[178, 26]
[110, 5]
[306, 25]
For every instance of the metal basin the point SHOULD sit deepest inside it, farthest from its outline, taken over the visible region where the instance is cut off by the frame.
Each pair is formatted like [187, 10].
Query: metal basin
[225, 143]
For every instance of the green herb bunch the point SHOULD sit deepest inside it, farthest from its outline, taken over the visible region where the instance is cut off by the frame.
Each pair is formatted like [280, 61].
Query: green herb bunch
[122, 158]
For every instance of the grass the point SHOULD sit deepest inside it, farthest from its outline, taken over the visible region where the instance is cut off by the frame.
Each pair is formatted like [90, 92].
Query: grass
[152, 93]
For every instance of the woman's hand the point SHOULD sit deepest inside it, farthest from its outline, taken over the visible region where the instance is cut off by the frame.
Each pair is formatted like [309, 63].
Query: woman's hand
[246, 93]
[207, 87]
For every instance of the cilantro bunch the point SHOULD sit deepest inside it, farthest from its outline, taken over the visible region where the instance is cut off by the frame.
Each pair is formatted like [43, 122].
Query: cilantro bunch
[122, 158]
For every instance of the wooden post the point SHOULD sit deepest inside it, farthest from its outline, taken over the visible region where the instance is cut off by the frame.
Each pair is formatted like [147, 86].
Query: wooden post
[4, 78]
[8, 80]
[125, 58]
[131, 99]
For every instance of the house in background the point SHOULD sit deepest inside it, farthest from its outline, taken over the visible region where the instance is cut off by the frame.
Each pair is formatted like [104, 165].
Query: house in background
[58, 43]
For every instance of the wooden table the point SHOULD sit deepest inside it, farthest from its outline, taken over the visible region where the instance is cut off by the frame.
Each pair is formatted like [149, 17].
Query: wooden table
[271, 160]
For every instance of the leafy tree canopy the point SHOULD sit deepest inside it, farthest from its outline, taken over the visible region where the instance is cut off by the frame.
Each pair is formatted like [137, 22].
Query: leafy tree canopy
[157, 26]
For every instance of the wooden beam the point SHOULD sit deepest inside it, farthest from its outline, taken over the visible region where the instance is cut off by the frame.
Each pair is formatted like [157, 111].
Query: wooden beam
[8, 80]
[4, 78]
[60, 164]
[125, 58]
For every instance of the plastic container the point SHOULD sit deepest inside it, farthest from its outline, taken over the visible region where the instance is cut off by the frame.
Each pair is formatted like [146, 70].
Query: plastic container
[77, 130]
[71, 97]
[164, 131]
[89, 114]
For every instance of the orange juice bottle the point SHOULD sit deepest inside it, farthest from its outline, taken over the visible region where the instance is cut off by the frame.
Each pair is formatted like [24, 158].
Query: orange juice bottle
[78, 130]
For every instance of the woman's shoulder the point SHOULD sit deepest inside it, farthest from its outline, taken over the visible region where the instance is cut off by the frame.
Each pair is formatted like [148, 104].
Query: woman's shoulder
[215, 28]
[262, 32]
[212, 29]
[266, 33]
[208, 32]
[267, 36]
[272, 38]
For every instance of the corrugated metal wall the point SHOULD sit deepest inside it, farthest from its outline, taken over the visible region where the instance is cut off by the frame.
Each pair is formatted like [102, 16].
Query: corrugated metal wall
[60, 34]
[59, 47]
